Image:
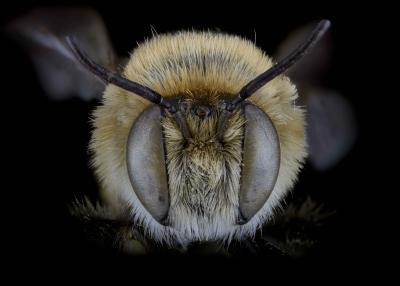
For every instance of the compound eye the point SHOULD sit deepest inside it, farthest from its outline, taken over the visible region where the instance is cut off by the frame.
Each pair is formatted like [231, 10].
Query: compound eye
[146, 164]
[261, 162]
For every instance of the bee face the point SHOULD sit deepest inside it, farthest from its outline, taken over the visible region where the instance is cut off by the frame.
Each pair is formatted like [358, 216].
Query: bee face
[203, 184]
[208, 182]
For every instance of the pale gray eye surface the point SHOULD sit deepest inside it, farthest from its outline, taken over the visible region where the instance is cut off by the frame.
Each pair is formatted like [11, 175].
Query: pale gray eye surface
[261, 160]
[146, 164]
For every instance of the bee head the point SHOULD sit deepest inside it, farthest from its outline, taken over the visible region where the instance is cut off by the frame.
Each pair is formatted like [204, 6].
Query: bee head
[202, 163]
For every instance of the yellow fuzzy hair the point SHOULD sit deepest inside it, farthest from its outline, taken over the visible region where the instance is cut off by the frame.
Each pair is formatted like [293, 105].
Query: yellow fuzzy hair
[201, 64]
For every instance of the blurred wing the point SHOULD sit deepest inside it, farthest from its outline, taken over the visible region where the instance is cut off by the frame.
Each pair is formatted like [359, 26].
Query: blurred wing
[42, 34]
[331, 127]
[311, 68]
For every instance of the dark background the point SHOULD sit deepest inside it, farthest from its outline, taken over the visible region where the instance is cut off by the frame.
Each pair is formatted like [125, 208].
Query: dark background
[47, 141]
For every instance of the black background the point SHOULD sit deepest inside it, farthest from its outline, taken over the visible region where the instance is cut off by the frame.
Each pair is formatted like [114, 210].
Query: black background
[47, 141]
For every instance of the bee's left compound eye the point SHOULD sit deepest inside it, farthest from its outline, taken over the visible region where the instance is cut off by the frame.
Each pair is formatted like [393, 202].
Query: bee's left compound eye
[261, 161]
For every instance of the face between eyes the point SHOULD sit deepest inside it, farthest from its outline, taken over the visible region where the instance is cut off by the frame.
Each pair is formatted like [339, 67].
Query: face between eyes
[204, 173]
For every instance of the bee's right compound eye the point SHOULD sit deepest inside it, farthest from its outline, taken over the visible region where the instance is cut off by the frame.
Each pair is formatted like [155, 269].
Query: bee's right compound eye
[146, 163]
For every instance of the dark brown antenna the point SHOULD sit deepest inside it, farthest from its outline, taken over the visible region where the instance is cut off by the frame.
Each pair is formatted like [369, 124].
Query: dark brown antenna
[281, 66]
[118, 80]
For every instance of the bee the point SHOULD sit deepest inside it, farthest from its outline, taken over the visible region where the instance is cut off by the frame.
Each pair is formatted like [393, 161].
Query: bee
[198, 136]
